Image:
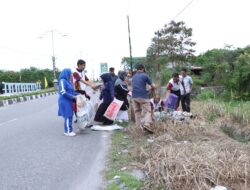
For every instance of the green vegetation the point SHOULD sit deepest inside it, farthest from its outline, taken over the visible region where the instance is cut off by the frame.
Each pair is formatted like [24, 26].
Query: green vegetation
[173, 40]
[172, 47]
[234, 134]
[28, 75]
[119, 159]
[229, 68]
[206, 95]
[128, 180]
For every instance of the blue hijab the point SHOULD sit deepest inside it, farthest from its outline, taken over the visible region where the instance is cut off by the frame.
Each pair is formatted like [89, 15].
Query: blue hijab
[66, 92]
[108, 91]
[65, 74]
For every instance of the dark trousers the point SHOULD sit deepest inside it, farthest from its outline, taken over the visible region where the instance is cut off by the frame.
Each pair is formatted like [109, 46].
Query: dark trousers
[185, 102]
[99, 116]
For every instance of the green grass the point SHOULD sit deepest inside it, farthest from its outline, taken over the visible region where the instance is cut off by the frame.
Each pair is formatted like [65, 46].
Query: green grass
[130, 181]
[235, 134]
[239, 111]
[113, 187]
[27, 94]
[206, 95]
[119, 142]
[237, 115]
[118, 160]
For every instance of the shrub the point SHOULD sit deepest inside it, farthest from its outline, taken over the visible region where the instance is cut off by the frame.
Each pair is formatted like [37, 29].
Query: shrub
[206, 94]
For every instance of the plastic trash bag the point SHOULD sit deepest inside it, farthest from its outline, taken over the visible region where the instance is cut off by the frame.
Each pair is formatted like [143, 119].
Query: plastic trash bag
[219, 188]
[85, 112]
[171, 101]
[113, 109]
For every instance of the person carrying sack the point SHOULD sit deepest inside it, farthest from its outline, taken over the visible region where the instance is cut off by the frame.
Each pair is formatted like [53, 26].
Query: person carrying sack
[81, 81]
[65, 101]
[173, 90]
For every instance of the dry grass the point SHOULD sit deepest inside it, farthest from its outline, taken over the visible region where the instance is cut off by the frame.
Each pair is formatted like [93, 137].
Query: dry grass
[194, 154]
[196, 166]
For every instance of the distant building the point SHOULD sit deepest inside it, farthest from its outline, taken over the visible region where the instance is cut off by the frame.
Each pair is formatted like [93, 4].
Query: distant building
[194, 69]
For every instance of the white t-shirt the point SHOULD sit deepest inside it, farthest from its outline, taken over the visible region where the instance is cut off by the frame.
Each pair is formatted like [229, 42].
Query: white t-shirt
[187, 80]
[174, 86]
[156, 106]
[82, 75]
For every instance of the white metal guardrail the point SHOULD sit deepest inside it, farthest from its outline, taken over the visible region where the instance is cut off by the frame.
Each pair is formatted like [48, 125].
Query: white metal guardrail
[18, 88]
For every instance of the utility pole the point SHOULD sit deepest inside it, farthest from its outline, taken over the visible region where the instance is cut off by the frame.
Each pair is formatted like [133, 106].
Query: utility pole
[132, 114]
[158, 74]
[130, 48]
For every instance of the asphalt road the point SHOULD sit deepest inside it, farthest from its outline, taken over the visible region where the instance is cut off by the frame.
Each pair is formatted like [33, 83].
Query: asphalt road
[35, 155]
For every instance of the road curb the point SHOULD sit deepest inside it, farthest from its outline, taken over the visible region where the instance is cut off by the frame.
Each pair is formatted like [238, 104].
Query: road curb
[25, 98]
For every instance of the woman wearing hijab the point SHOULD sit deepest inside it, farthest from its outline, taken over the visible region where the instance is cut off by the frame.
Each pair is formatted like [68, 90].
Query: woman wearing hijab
[121, 92]
[65, 101]
[107, 95]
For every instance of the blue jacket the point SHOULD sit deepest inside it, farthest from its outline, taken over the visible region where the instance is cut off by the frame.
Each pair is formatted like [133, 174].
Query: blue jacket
[66, 92]
[108, 91]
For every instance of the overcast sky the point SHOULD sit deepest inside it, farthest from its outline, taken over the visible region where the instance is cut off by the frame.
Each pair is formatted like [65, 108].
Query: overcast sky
[97, 29]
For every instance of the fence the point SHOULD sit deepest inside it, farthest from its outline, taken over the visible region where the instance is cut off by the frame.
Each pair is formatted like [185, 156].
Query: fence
[17, 88]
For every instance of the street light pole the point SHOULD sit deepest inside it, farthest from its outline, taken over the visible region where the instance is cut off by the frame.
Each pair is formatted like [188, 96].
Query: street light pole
[55, 81]
[53, 60]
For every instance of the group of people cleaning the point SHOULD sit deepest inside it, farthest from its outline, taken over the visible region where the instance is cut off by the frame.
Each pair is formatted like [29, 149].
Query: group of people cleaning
[74, 83]
[71, 84]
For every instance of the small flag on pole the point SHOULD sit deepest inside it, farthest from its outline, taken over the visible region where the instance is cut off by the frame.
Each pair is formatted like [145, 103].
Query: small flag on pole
[45, 82]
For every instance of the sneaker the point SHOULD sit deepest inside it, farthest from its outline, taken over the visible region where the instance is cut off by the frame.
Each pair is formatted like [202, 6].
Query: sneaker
[71, 134]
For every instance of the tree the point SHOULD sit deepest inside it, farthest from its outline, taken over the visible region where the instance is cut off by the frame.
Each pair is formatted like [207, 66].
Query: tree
[9, 76]
[228, 67]
[240, 82]
[174, 40]
[32, 74]
[135, 60]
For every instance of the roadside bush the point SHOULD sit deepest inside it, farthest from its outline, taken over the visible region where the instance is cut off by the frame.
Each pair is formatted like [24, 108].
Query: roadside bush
[198, 81]
[206, 94]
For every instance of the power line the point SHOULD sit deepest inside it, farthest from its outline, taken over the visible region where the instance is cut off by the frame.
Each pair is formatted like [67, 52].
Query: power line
[187, 5]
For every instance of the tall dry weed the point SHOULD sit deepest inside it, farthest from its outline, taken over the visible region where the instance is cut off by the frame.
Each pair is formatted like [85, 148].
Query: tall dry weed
[194, 154]
[196, 166]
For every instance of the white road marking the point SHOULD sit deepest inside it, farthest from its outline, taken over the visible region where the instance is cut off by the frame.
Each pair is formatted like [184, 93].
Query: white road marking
[6, 122]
